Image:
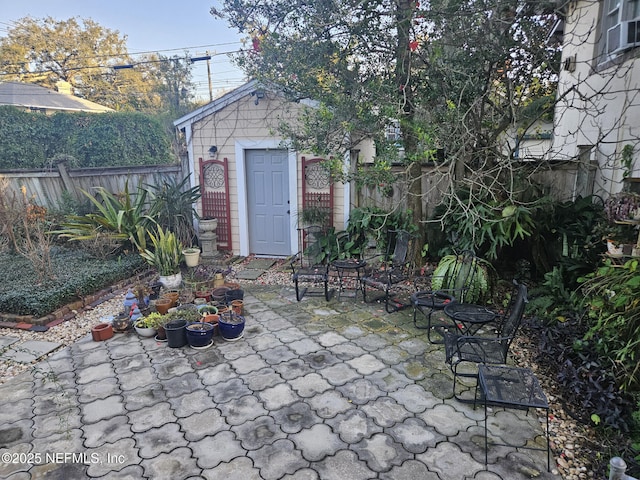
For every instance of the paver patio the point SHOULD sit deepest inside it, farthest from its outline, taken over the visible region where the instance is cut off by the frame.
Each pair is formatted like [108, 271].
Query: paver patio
[314, 390]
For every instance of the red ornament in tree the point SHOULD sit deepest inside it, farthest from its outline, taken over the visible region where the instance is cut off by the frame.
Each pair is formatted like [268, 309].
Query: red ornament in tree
[256, 44]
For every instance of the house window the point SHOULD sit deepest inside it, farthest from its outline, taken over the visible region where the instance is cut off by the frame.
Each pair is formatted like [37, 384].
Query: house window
[392, 132]
[620, 27]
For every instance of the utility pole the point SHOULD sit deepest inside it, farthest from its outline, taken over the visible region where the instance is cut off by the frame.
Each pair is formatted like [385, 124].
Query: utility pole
[207, 57]
[209, 76]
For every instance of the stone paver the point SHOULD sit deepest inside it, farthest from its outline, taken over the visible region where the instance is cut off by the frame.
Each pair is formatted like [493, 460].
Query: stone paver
[6, 340]
[317, 442]
[314, 391]
[28, 351]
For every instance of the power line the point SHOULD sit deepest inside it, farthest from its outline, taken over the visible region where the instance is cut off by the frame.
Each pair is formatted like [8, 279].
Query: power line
[113, 67]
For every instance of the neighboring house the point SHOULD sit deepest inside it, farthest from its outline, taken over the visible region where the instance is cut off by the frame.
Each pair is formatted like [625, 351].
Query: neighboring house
[250, 180]
[531, 145]
[31, 97]
[597, 116]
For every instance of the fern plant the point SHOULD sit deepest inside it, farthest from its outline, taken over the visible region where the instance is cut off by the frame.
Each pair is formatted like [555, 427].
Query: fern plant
[451, 272]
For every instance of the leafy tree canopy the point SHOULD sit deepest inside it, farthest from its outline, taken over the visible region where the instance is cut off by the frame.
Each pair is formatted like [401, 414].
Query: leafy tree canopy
[83, 53]
[453, 75]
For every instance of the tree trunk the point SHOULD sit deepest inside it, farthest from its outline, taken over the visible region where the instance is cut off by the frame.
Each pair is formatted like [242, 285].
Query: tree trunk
[404, 82]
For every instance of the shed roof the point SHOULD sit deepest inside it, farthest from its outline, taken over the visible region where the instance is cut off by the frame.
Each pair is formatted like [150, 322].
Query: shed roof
[29, 95]
[227, 99]
[217, 105]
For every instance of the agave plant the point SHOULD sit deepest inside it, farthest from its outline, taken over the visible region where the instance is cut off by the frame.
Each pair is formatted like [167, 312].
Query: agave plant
[166, 254]
[122, 217]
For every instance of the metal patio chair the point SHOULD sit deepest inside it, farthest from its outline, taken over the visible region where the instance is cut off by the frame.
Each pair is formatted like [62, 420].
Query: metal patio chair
[386, 272]
[490, 349]
[452, 287]
[311, 264]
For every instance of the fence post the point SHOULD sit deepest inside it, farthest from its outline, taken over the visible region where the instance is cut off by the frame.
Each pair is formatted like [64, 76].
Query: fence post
[67, 181]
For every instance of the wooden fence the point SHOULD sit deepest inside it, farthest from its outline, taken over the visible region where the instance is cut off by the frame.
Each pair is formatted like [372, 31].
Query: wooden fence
[48, 187]
[563, 181]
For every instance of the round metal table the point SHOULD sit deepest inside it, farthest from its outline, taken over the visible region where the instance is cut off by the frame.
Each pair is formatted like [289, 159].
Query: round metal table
[468, 317]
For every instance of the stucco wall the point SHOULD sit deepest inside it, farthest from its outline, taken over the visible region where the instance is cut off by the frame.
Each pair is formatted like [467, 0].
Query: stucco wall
[597, 104]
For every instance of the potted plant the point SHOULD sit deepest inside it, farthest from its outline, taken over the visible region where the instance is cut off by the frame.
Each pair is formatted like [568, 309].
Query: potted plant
[620, 237]
[622, 212]
[161, 333]
[622, 207]
[200, 334]
[155, 320]
[313, 216]
[209, 313]
[165, 257]
[191, 256]
[146, 326]
[231, 326]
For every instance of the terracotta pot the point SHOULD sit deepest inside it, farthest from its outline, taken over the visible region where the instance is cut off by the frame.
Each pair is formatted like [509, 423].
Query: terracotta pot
[211, 318]
[102, 331]
[172, 295]
[206, 294]
[163, 305]
[237, 307]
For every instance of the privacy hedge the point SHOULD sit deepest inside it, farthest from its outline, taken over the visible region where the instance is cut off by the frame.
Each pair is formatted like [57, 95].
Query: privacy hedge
[76, 274]
[35, 140]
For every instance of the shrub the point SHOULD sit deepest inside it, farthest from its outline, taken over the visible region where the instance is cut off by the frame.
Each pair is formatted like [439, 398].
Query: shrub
[31, 140]
[122, 218]
[611, 297]
[172, 204]
[75, 274]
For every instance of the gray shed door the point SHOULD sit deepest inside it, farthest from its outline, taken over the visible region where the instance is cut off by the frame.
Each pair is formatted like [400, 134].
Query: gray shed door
[268, 202]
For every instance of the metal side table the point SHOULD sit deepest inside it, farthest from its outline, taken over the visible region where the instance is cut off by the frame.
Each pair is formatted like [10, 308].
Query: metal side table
[348, 265]
[511, 387]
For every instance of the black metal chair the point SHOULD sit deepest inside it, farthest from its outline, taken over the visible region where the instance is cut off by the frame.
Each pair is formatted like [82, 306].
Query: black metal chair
[489, 349]
[311, 263]
[452, 287]
[389, 271]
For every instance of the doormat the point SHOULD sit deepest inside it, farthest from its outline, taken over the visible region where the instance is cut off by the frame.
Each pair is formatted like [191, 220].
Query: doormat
[255, 268]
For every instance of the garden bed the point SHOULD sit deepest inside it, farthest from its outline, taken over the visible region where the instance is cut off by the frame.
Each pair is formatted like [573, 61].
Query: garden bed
[77, 280]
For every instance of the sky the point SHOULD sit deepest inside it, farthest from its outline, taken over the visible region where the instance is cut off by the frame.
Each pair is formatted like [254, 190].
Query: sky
[166, 27]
